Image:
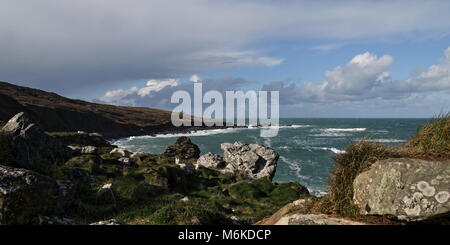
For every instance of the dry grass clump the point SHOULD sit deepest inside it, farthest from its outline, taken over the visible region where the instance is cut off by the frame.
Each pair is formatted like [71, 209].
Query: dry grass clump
[356, 159]
[432, 141]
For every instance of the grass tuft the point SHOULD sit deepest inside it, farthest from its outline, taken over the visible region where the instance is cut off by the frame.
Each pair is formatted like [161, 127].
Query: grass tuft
[432, 141]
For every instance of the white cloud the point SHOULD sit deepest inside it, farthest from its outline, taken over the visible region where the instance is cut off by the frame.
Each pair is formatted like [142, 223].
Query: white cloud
[156, 85]
[157, 93]
[194, 78]
[69, 45]
[118, 97]
[437, 77]
[366, 77]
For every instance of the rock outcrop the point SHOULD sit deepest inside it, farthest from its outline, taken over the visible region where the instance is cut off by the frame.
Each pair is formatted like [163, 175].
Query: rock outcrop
[291, 215]
[406, 189]
[25, 194]
[121, 152]
[183, 148]
[32, 147]
[105, 196]
[315, 219]
[250, 160]
[211, 160]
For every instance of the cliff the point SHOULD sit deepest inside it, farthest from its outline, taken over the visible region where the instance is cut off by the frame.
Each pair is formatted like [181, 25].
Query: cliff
[59, 114]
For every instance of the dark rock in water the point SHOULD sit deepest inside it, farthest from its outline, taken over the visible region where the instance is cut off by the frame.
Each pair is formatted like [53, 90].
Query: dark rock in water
[183, 148]
[31, 147]
[250, 160]
[25, 194]
[407, 189]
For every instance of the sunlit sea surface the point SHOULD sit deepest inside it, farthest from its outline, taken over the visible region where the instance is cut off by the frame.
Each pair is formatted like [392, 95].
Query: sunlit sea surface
[306, 146]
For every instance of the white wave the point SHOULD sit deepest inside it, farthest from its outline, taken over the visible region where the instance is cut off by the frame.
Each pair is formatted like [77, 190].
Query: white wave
[332, 149]
[294, 166]
[282, 126]
[386, 140]
[383, 131]
[345, 129]
[318, 192]
[330, 134]
[190, 134]
[284, 147]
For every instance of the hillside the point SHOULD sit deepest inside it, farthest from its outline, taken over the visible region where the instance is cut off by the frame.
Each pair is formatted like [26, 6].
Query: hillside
[56, 114]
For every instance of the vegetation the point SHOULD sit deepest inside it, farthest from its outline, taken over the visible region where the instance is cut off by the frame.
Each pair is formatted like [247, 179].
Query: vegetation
[152, 190]
[432, 141]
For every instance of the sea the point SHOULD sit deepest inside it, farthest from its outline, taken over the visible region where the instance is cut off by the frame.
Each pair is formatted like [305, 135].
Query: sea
[306, 146]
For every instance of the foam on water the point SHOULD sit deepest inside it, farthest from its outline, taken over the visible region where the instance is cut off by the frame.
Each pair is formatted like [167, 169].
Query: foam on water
[332, 149]
[306, 146]
[386, 140]
[345, 129]
[294, 166]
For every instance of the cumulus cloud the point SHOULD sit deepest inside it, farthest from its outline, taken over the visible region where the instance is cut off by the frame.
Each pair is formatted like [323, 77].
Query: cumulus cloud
[365, 77]
[71, 45]
[157, 93]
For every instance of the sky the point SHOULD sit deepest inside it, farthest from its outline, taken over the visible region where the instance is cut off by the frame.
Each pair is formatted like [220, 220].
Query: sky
[372, 58]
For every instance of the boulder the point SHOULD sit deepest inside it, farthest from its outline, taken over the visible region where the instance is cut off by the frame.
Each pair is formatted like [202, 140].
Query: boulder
[121, 152]
[183, 148]
[89, 149]
[139, 155]
[210, 160]
[406, 189]
[25, 194]
[315, 219]
[75, 149]
[253, 161]
[186, 166]
[31, 146]
[125, 161]
[295, 213]
[105, 196]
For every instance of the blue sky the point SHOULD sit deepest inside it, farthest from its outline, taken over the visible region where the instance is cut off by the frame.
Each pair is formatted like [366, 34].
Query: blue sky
[327, 58]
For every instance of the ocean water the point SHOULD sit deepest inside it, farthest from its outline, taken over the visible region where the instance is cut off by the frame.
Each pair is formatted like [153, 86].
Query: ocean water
[306, 146]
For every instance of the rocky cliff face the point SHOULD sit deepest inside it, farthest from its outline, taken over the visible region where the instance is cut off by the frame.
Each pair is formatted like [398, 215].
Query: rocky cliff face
[55, 113]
